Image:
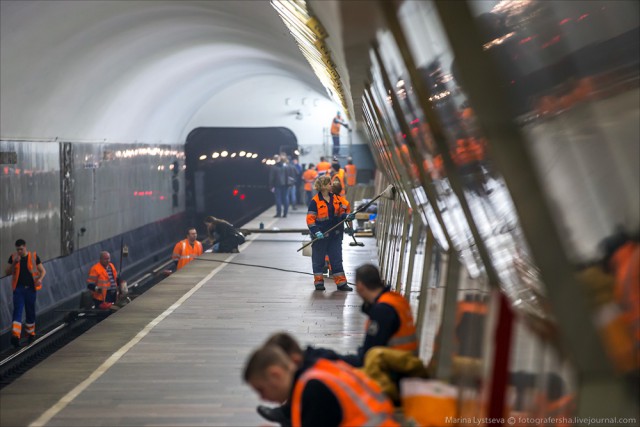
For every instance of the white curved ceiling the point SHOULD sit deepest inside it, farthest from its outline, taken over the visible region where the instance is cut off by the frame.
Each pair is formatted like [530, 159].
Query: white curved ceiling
[125, 71]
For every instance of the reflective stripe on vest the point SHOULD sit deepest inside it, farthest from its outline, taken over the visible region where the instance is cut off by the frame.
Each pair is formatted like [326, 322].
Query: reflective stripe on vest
[100, 277]
[187, 253]
[323, 210]
[32, 258]
[360, 398]
[405, 337]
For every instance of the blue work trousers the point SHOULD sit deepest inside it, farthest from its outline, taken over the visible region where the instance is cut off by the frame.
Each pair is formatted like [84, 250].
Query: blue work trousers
[282, 200]
[336, 144]
[331, 246]
[24, 298]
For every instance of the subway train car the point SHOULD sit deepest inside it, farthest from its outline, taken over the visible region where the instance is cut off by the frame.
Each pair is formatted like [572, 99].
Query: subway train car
[508, 131]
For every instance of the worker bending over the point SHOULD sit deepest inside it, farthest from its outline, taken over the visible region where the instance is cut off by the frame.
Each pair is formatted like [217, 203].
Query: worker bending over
[321, 392]
[390, 322]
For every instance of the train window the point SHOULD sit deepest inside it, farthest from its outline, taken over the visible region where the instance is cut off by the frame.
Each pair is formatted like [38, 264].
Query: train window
[428, 156]
[570, 74]
[483, 189]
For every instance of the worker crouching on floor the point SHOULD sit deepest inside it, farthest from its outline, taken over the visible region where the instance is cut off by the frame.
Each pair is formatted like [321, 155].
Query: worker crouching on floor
[321, 392]
[104, 283]
[325, 212]
[223, 236]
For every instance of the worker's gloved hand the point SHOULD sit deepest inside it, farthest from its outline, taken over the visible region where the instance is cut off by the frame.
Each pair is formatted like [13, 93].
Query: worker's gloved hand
[319, 235]
[349, 231]
[350, 217]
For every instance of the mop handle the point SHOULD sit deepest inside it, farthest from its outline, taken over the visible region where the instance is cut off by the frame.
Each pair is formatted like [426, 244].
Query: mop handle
[360, 209]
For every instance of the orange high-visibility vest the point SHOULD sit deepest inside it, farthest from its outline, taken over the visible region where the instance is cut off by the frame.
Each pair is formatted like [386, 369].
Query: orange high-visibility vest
[352, 172]
[309, 176]
[98, 276]
[335, 126]
[323, 167]
[184, 253]
[405, 337]
[345, 206]
[626, 261]
[33, 269]
[361, 400]
[322, 215]
[340, 177]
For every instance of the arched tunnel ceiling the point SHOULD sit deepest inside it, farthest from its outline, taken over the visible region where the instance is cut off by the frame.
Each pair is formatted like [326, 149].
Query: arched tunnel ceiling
[125, 71]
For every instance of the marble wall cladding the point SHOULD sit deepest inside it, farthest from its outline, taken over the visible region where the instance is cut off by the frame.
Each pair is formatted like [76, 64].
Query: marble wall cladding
[30, 199]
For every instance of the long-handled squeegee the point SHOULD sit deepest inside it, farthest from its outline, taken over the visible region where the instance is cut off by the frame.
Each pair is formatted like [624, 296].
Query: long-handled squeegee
[389, 193]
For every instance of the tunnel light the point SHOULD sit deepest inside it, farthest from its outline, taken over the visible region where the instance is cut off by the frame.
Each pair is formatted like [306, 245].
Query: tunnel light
[224, 153]
[254, 156]
[296, 152]
[171, 167]
[242, 153]
[215, 155]
[203, 157]
[233, 155]
[184, 167]
[263, 161]
[249, 155]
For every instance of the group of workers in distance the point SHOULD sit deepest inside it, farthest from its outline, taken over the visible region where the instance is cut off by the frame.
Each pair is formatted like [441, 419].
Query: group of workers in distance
[319, 387]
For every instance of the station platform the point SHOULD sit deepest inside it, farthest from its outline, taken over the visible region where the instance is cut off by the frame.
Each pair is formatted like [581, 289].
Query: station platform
[174, 355]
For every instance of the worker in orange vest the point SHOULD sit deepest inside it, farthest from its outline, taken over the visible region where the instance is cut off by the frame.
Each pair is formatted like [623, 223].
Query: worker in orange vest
[309, 177]
[187, 250]
[322, 392]
[390, 322]
[351, 172]
[323, 214]
[622, 261]
[335, 132]
[27, 271]
[323, 167]
[337, 174]
[103, 282]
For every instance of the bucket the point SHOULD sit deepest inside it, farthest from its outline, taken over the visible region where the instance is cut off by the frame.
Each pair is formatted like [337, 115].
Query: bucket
[307, 250]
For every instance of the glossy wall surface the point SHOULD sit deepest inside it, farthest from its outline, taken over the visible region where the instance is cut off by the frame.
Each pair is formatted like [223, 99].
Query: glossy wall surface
[122, 187]
[30, 200]
[108, 189]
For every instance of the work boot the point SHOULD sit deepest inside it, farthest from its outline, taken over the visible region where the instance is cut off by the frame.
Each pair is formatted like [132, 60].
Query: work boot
[320, 287]
[345, 287]
[276, 216]
[15, 341]
[275, 415]
[32, 338]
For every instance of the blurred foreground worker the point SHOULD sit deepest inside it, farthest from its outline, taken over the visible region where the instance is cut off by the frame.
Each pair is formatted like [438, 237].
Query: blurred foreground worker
[291, 347]
[326, 211]
[187, 250]
[322, 393]
[224, 237]
[103, 282]
[390, 322]
[27, 271]
[622, 262]
[309, 177]
[335, 132]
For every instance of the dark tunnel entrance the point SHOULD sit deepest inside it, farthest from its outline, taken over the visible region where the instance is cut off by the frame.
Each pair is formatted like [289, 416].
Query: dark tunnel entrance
[227, 175]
